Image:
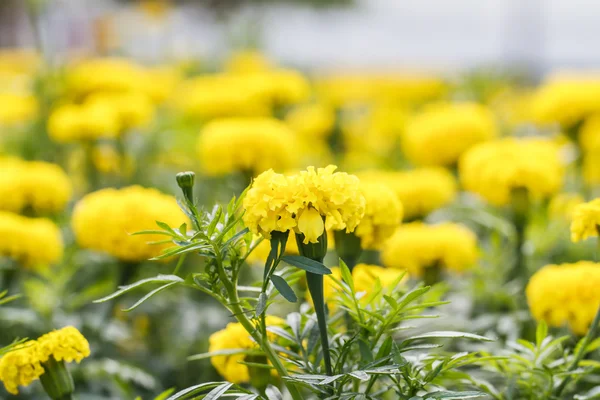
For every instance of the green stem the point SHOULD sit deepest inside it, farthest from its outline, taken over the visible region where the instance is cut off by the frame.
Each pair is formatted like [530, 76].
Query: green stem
[315, 287]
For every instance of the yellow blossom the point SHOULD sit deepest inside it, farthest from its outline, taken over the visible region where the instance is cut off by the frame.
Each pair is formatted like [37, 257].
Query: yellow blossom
[383, 214]
[494, 169]
[134, 109]
[585, 221]
[440, 133]
[17, 108]
[565, 294]
[247, 62]
[66, 344]
[562, 206]
[21, 366]
[88, 121]
[417, 246]
[311, 120]
[104, 221]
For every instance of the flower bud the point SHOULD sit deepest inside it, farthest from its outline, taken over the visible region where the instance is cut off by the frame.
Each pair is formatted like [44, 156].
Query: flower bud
[314, 251]
[57, 380]
[185, 180]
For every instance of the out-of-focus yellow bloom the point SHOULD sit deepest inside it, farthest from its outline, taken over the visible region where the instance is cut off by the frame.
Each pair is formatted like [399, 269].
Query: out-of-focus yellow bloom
[494, 169]
[247, 62]
[89, 121]
[440, 133]
[563, 205]
[308, 202]
[36, 185]
[234, 336]
[107, 74]
[246, 144]
[591, 169]
[311, 120]
[66, 344]
[589, 135]
[585, 221]
[17, 108]
[420, 190]
[565, 294]
[280, 86]
[383, 214]
[134, 109]
[19, 61]
[417, 246]
[34, 242]
[104, 221]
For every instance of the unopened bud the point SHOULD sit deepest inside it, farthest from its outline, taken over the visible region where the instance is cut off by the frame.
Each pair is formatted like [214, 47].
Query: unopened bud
[185, 180]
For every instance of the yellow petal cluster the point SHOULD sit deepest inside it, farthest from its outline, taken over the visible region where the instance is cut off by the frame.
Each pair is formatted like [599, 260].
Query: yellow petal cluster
[34, 242]
[383, 214]
[17, 108]
[420, 190]
[235, 336]
[565, 294]
[134, 109]
[33, 185]
[494, 169]
[91, 120]
[314, 121]
[250, 145]
[308, 202]
[585, 221]
[440, 133]
[24, 364]
[417, 246]
[104, 221]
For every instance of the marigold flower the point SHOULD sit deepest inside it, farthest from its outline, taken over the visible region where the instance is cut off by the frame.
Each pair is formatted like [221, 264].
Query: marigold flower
[134, 109]
[36, 185]
[417, 246]
[563, 205]
[235, 336]
[66, 344]
[565, 294]
[440, 133]
[107, 74]
[17, 108]
[585, 221]
[89, 121]
[247, 62]
[34, 242]
[21, 366]
[301, 202]
[494, 169]
[104, 221]
[311, 120]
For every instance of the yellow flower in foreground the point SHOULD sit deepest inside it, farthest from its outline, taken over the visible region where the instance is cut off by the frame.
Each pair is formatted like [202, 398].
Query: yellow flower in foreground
[104, 221]
[383, 214]
[21, 366]
[66, 344]
[420, 190]
[17, 108]
[311, 120]
[586, 219]
[308, 202]
[417, 246]
[246, 144]
[34, 242]
[36, 185]
[442, 132]
[565, 294]
[234, 336]
[494, 169]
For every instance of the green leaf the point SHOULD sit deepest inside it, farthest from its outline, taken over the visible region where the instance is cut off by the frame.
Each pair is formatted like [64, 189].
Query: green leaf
[347, 276]
[218, 391]
[448, 334]
[166, 228]
[124, 289]
[454, 395]
[193, 390]
[307, 264]
[226, 352]
[365, 351]
[165, 394]
[540, 333]
[286, 291]
[385, 348]
[216, 217]
[149, 295]
[261, 304]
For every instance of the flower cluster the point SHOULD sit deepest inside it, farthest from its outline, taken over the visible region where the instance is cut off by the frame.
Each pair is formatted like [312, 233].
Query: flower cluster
[417, 246]
[104, 221]
[34, 242]
[250, 145]
[585, 221]
[565, 294]
[494, 169]
[440, 133]
[25, 364]
[308, 202]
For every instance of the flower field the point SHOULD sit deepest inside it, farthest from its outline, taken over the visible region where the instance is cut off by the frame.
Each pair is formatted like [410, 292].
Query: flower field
[244, 229]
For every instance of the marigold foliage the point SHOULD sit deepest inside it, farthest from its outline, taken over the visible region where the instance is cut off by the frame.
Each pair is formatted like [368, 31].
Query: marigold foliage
[246, 144]
[308, 202]
[34, 242]
[494, 169]
[586, 219]
[565, 294]
[417, 246]
[104, 221]
[440, 133]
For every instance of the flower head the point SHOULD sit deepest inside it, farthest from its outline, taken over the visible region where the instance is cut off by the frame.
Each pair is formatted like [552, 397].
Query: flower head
[563, 205]
[66, 344]
[586, 219]
[311, 121]
[17, 108]
[417, 246]
[21, 366]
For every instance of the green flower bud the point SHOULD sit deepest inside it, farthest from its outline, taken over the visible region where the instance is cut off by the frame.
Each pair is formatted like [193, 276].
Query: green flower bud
[185, 180]
[57, 380]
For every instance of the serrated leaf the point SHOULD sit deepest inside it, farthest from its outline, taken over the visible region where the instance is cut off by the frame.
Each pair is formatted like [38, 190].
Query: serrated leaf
[124, 289]
[149, 295]
[282, 286]
[307, 264]
[448, 335]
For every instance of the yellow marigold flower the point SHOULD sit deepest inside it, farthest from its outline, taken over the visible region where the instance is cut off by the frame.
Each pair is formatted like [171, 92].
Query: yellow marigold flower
[66, 344]
[383, 214]
[235, 336]
[134, 109]
[36, 185]
[417, 246]
[440, 133]
[17, 108]
[589, 135]
[280, 87]
[585, 221]
[420, 190]
[246, 144]
[91, 120]
[308, 202]
[21, 366]
[591, 169]
[494, 169]
[311, 120]
[104, 221]
[19, 60]
[563, 205]
[247, 62]
[565, 294]
[34, 242]
[106, 74]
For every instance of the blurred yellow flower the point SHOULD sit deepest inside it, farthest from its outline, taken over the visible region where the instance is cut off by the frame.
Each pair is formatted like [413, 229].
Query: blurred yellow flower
[247, 62]
[134, 109]
[34, 242]
[562, 205]
[66, 344]
[417, 246]
[565, 294]
[17, 108]
[311, 120]
[104, 221]
[440, 133]
[585, 221]
[589, 135]
[494, 169]
[89, 121]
